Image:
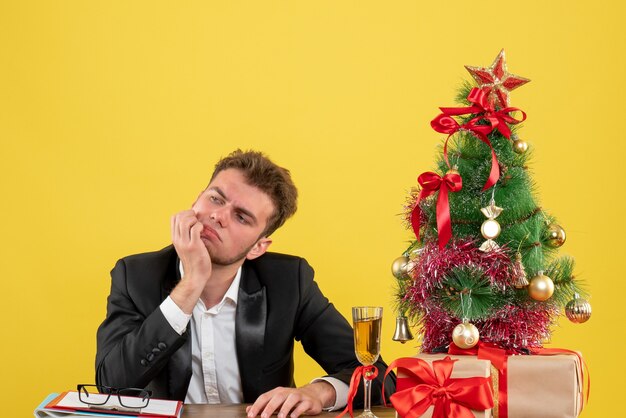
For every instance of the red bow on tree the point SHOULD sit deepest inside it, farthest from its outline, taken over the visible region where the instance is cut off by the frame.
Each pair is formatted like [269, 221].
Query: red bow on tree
[432, 182]
[486, 112]
[453, 398]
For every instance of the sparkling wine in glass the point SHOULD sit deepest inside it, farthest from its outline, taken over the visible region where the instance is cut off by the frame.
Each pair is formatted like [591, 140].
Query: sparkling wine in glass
[367, 321]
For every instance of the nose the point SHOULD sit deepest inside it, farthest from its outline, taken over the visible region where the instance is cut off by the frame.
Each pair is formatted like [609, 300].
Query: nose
[218, 215]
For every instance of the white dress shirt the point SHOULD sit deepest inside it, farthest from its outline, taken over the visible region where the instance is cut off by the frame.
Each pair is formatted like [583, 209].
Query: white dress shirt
[215, 369]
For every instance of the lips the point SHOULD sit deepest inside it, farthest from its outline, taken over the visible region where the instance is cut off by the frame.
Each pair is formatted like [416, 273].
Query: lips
[210, 234]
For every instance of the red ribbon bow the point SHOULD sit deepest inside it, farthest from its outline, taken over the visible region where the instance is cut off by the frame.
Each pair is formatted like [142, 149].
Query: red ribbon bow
[497, 119]
[361, 372]
[451, 397]
[432, 182]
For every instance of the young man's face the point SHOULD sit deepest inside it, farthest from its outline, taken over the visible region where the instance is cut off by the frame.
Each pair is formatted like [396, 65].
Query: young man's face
[234, 215]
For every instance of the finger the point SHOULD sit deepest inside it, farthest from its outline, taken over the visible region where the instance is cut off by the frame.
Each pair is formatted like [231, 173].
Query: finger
[179, 229]
[291, 401]
[259, 404]
[176, 233]
[185, 222]
[277, 400]
[195, 232]
[304, 408]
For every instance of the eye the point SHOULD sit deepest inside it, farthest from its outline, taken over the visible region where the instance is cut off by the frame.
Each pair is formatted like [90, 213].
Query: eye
[215, 199]
[241, 219]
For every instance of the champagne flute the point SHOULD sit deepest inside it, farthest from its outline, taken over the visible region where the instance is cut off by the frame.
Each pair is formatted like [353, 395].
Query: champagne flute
[367, 322]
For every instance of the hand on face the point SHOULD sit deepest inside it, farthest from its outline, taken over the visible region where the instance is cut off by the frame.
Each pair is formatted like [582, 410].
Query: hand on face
[186, 231]
[292, 402]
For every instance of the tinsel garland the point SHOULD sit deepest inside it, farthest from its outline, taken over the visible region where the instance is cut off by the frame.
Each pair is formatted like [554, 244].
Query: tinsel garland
[519, 327]
[434, 264]
[513, 326]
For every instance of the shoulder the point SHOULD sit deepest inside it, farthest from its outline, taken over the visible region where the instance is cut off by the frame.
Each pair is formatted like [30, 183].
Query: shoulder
[277, 262]
[276, 268]
[162, 255]
[154, 266]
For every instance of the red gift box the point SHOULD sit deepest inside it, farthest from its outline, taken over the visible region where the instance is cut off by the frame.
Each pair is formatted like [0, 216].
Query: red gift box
[434, 386]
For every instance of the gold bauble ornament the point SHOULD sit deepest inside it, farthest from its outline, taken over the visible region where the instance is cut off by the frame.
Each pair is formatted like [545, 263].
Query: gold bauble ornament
[541, 287]
[465, 335]
[556, 236]
[578, 310]
[399, 268]
[520, 146]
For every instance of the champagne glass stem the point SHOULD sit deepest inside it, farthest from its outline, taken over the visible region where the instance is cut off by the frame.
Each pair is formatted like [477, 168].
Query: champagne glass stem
[367, 395]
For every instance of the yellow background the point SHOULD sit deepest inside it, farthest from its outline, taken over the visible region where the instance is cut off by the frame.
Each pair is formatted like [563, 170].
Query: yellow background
[112, 114]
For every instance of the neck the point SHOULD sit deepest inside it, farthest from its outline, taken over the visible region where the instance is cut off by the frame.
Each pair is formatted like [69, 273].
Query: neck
[219, 282]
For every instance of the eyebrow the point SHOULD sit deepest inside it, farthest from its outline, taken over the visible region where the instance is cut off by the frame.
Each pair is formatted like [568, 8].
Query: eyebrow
[237, 208]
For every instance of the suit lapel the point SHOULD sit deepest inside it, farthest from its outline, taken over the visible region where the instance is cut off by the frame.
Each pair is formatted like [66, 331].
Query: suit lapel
[250, 320]
[179, 365]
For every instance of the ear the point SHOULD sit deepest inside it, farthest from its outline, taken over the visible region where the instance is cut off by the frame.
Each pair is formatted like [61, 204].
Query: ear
[259, 248]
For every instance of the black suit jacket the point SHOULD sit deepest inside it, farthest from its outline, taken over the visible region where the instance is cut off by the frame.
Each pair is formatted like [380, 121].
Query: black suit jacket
[278, 301]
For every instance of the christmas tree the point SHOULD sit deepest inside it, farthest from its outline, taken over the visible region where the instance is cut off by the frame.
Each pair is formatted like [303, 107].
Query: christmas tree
[484, 263]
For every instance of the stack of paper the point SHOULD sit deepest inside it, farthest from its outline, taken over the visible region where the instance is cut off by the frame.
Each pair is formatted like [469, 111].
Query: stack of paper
[68, 405]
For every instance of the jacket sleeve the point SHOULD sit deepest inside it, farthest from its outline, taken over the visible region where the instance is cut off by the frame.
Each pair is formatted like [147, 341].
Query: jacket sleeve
[133, 345]
[328, 338]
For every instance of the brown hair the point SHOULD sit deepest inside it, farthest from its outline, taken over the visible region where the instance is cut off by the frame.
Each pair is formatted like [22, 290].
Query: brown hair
[268, 177]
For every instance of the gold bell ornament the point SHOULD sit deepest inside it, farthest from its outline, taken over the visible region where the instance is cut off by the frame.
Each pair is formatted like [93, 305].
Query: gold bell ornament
[490, 229]
[578, 310]
[541, 287]
[402, 332]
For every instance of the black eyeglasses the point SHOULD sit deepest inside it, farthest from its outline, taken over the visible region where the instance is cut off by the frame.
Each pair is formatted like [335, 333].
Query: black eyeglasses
[99, 395]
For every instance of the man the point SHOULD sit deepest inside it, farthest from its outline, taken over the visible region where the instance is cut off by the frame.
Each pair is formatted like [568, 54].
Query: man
[212, 319]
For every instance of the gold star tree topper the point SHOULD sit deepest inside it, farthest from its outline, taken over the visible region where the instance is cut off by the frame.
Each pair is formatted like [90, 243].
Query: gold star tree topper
[496, 80]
